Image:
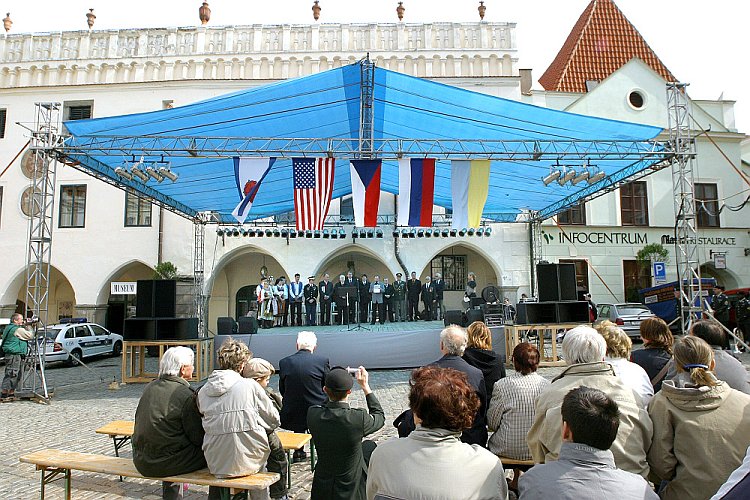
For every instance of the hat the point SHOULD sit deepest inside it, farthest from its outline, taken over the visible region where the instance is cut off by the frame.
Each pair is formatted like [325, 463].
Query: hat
[338, 379]
[399, 274]
[257, 368]
[311, 277]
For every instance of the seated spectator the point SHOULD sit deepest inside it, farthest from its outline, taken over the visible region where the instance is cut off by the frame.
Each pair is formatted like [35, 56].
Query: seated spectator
[737, 486]
[728, 368]
[337, 431]
[479, 354]
[168, 434]
[656, 352]
[585, 467]
[618, 352]
[433, 462]
[584, 350]
[237, 417]
[511, 411]
[261, 370]
[701, 426]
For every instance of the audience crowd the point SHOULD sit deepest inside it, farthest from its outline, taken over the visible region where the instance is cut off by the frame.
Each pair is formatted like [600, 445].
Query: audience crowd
[669, 421]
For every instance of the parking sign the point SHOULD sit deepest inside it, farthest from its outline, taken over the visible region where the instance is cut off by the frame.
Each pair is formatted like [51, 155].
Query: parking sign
[660, 272]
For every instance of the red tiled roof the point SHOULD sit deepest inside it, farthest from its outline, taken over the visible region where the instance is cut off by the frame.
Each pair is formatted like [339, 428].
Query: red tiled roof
[601, 42]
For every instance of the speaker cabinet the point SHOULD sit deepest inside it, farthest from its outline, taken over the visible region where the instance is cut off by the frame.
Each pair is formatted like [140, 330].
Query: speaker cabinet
[156, 299]
[572, 312]
[226, 326]
[161, 329]
[139, 329]
[473, 315]
[536, 313]
[144, 299]
[247, 325]
[556, 282]
[454, 317]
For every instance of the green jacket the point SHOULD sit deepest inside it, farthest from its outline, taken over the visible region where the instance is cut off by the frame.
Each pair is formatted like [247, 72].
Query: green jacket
[12, 344]
[399, 290]
[337, 430]
[168, 432]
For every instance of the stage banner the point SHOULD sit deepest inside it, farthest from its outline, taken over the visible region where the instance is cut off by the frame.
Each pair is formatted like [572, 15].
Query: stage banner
[365, 191]
[249, 174]
[470, 181]
[416, 189]
[313, 185]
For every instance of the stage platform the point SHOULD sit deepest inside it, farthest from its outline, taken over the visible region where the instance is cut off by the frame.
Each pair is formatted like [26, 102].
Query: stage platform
[388, 346]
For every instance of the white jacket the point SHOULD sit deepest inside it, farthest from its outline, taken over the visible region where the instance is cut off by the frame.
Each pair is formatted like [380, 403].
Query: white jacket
[237, 416]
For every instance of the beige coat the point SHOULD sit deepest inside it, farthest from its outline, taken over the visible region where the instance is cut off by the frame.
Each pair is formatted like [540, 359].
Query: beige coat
[700, 436]
[633, 436]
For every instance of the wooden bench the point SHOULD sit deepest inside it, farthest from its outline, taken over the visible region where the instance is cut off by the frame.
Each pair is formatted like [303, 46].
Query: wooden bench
[122, 430]
[57, 464]
[518, 467]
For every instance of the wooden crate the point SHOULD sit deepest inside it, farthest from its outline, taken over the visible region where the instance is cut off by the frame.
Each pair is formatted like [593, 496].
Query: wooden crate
[134, 358]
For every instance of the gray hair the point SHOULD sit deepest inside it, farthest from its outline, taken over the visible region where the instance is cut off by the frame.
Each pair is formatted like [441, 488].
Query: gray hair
[583, 344]
[306, 340]
[175, 358]
[454, 340]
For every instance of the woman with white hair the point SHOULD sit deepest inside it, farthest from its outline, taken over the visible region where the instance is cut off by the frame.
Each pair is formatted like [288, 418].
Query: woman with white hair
[618, 354]
[168, 433]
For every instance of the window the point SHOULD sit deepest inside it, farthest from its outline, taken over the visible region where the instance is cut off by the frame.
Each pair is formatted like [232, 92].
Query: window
[635, 278]
[453, 270]
[137, 210]
[72, 206]
[582, 274]
[575, 215]
[707, 205]
[634, 204]
[3, 114]
[78, 110]
[347, 208]
[99, 331]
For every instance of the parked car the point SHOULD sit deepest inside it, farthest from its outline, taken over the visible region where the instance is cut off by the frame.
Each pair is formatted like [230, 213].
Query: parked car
[73, 341]
[627, 316]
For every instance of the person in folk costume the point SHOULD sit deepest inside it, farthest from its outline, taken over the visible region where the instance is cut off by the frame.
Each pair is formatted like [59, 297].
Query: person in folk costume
[265, 299]
[280, 301]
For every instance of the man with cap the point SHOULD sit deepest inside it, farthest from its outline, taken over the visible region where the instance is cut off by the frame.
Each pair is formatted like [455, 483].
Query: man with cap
[261, 370]
[399, 298]
[337, 430]
[310, 293]
[721, 305]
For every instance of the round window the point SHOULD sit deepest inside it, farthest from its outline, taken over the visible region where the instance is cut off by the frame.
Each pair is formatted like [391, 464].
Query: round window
[636, 99]
[26, 202]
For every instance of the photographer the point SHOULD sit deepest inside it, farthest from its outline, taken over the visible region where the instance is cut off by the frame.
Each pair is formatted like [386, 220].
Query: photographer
[15, 346]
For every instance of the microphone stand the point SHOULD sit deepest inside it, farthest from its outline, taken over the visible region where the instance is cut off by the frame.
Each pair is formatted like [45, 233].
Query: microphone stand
[356, 313]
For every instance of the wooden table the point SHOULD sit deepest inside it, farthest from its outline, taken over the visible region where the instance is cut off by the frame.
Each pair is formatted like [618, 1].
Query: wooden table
[515, 334]
[122, 430]
[134, 358]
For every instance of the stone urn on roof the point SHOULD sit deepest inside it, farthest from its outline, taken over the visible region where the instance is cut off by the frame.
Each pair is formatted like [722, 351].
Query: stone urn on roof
[316, 10]
[7, 22]
[482, 9]
[90, 18]
[204, 13]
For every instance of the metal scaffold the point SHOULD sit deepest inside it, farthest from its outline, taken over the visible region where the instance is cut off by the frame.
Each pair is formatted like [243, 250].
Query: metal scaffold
[45, 138]
[366, 112]
[199, 298]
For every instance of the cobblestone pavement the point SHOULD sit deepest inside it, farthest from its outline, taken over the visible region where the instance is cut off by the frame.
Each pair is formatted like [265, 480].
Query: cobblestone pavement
[83, 402]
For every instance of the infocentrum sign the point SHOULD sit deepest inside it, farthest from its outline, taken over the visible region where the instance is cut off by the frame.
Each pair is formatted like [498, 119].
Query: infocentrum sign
[628, 238]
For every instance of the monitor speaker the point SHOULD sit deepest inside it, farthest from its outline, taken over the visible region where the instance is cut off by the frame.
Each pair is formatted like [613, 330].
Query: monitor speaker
[247, 325]
[226, 326]
[454, 317]
[473, 315]
[556, 282]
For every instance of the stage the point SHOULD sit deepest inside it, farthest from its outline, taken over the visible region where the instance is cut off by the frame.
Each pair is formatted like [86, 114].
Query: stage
[388, 346]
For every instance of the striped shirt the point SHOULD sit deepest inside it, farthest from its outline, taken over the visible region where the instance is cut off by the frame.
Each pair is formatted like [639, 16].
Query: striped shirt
[511, 413]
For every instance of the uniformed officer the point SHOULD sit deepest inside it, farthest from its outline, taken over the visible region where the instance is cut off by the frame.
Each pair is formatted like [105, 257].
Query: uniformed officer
[720, 304]
[399, 298]
[743, 315]
[311, 304]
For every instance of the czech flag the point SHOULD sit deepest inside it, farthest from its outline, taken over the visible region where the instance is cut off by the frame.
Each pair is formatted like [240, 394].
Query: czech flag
[416, 189]
[248, 174]
[365, 191]
[470, 182]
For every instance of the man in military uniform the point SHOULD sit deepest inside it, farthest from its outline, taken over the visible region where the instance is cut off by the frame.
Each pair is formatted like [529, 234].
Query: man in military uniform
[325, 289]
[428, 297]
[399, 298]
[364, 298]
[388, 300]
[413, 289]
[310, 293]
[720, 304]
[743, 315]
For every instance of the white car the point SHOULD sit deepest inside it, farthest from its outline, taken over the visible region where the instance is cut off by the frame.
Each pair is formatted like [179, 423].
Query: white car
[73, 341]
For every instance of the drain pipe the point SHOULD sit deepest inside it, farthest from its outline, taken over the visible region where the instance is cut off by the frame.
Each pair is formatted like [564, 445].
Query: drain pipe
[396, 252]
[161, 235]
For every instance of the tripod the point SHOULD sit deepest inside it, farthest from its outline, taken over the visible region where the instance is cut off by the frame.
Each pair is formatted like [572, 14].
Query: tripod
[33, 382]
[359, 326]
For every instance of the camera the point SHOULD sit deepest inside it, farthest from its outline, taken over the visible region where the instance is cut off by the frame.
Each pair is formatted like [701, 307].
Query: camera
[353, 371]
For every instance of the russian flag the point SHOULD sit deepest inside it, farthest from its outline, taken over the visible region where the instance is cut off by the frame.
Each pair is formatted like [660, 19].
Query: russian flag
[365, 191]
[416, 189]
[470, 182]
[248, 174]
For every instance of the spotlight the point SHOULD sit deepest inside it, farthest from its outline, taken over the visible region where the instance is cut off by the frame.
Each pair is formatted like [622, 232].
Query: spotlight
[124, 173]
[462, 232]
[580, 177]
[154, 174]
[168, 174]
[143, 176]
[488, 231]
[334, 234]
[480, 231]
[453, 233]
[250, 233]
[552, 177]
[470, 231]
[378, 233]
[235, 232]
[363, 233]
[292, 233]
[259, 233]
[284, 233]
[596, 177]
[370, 233]
[316, 234]
[276, 233]
[342, 234]
[326, 234]
[567, 177]
[420, 233]
[428, 233]
[308, 233]
[396, 233]
[219, 231]
[413, 233]
[243, 231]
[404, 233]
[269, 233]
[445, 233]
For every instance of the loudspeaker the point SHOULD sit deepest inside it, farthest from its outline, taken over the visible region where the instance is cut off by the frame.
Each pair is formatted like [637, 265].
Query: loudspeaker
[454, 317]
[247, 325]
[144, 299]
[156, 299]
[160, 329]
[139, 329]
[572, 312]
[556, 282]
[226, 326]
[536, 313]
[473, 315]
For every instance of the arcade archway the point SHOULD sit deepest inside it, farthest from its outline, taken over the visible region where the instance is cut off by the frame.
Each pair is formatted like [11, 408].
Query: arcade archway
[357, 259]
[120, 306]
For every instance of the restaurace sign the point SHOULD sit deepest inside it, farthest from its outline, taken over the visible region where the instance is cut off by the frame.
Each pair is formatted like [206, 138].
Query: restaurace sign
[703, 240]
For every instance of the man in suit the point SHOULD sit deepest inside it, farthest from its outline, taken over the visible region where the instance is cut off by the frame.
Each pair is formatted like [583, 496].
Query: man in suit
[428, 297]
[439, 292]
[376, 294]
[413, 289]
[388, 300]
[364, 298]
[301, 381]
[296, 295]
[354, 282]
[399, 298]
[453, 340]
[337, 430]
[310, 293]
[325, 289]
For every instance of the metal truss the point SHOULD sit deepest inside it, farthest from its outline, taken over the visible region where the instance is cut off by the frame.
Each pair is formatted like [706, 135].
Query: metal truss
[366, 112]
[44, 139]
[683, 188]
[536, 248]
[199, 298]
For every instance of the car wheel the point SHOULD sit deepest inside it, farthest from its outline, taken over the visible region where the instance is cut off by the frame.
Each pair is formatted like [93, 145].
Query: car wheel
[75, 357]
[117, 348]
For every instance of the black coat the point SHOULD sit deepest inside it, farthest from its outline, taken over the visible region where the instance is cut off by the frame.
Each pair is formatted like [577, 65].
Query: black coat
[428, 293]
[301, 381]
[478, 432]
[326, 290]
[489, 362]
[413, 289]
[439, 288]
[365, 297]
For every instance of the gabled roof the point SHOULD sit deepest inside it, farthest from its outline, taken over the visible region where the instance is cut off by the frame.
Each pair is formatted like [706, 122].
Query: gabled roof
[601, 42]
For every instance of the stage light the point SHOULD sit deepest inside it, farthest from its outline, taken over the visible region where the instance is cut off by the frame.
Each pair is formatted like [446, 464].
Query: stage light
[552, 177]
[444, 233]
[413, 233]
[124, 173]
[219, 231]
[316, 234]
[453, 233]
[308, 233]
[420, 233]
[567, 177]
[251, 233]
[488, 231]
[470, 231]
[580, 177]
[396, 233]
[342, 234]
[292, 233]
[284, 233]
[404, 233]
[378, 233]
[596, 177]
[370, 233]
[259, 233]
[363, 233]
[462, 232]
[276, 233]
[480, 231]
[168, 174]
[243, 232]
[326, 234]
[143, 176]
[154, 174]
[235, 232]
[269, 233]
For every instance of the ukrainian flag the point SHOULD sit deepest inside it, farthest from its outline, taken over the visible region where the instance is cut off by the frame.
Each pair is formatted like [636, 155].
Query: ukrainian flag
[470, 181]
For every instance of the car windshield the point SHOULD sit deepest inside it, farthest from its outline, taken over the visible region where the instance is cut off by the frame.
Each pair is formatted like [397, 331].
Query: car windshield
[632, 310]
[51, 333]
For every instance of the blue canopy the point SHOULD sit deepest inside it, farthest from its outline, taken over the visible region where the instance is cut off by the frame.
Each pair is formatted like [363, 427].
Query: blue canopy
[320, 114]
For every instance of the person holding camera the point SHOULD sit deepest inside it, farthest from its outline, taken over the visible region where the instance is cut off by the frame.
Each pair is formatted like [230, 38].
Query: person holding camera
[337, 430]
[15, 345]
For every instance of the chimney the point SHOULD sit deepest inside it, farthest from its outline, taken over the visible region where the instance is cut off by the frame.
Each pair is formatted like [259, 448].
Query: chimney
[525, 75]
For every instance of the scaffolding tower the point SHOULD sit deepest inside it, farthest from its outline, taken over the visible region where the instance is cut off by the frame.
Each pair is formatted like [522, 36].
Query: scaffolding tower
[199, 298]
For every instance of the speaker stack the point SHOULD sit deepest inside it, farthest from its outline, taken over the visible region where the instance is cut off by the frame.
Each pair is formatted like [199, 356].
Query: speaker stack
[155, 307]
[454, 317]
[557, 298]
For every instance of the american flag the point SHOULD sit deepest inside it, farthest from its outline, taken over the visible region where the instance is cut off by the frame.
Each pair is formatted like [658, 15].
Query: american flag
[313, 186]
